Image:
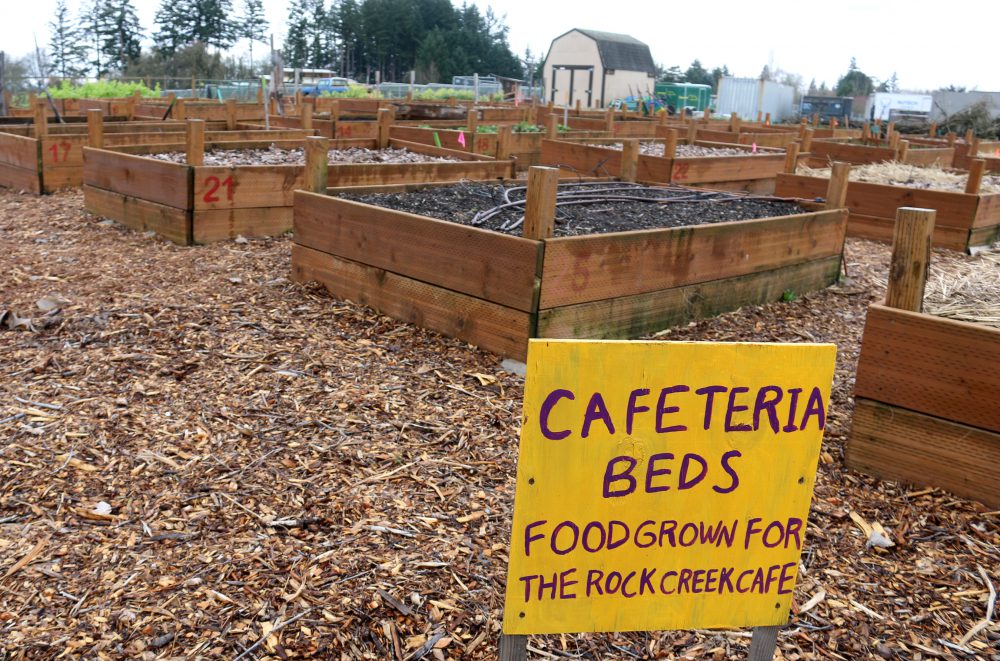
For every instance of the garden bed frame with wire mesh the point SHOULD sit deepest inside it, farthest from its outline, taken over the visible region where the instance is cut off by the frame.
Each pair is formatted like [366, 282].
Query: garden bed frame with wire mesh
[497, 291]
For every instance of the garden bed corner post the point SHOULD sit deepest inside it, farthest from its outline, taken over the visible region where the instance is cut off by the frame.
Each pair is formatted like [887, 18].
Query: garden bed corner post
[911, 257]
[540, 205]
[836, 191]
[194, 149]
[317, 164]
[95, 128]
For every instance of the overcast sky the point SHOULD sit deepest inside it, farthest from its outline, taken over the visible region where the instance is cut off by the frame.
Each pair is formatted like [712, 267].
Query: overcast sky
[927, 45]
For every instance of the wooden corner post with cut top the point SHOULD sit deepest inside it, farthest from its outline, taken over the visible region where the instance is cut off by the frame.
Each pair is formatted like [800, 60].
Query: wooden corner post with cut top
[317, 164]
[540, 205]
[911, 258]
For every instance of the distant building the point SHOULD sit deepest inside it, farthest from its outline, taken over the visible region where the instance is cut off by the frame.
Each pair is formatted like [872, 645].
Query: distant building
[597, 68]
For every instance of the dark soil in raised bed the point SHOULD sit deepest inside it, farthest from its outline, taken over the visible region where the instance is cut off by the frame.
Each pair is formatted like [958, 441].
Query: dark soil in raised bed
[592, 208]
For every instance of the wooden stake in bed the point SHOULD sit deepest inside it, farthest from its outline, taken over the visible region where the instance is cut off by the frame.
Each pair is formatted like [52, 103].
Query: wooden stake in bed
[306, 115]
[317, 164]
[386, 116]
[976, 168]
[836, 191]
[540, 205]
[630, 159]
[504, 136]
[95, 128]
[911, 257]
[41, 118]
[670, 142]
[792, 158]
[194, 148]
[230, 114]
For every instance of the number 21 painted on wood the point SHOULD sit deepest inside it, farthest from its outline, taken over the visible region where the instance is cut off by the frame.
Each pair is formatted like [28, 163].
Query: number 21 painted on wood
[213, 184]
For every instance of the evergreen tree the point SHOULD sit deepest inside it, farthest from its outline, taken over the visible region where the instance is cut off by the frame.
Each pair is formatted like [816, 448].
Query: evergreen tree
[185, 22]
[252, 24]
[66, 47]
[210, 22]
[89, 24]
[855, 82]
[696, 73]
[308, 42]
[171, 34]
[118, 32]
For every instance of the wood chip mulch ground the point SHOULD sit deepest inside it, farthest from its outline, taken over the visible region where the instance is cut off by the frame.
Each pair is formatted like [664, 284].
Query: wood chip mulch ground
[202, 459]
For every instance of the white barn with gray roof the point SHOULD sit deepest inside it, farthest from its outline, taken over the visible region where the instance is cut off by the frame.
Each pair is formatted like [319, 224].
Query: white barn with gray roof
[597, 68]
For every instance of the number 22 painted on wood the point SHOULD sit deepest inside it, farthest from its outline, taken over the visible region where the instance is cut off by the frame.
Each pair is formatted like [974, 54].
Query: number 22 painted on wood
[213, 184]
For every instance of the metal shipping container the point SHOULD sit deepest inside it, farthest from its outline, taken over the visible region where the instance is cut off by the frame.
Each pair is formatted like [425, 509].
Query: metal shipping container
[748, 96]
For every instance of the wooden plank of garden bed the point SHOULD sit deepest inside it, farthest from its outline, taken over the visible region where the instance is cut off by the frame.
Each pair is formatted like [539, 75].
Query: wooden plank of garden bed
[641, 314]
[940, 156]
[488, 325]
[18, 178]
[881, 229]
[583, 159]
[580, 269]
[246, 186]
[984, 236]
[134, 176]
[357, 130]
[487, 265]
[429, 150]
[139, 214]
[210, 225]
[846, 153]
[373, 174]
[704, 169]
[894, 443]
[941, 367]
[988, 210]
[953, 209]
[19, 151]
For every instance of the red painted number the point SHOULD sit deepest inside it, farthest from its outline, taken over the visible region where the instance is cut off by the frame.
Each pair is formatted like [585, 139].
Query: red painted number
[60, 152]
[680, 171]
[213, 184]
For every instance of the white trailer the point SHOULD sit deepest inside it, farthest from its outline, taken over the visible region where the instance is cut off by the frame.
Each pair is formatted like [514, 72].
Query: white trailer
[882, 105]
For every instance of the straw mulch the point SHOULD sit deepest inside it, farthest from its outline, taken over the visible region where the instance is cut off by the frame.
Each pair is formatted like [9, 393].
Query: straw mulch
[913, 176]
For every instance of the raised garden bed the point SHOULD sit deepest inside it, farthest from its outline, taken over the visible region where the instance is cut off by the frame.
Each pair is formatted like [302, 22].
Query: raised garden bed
[55, 160]
[925, 408]
[523, 146]
[964, 220]
[824, 151]
[499, 289]
[200, 204]
[749, 171]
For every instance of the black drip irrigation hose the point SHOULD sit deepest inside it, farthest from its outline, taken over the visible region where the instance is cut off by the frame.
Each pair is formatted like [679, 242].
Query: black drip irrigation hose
[611, 191]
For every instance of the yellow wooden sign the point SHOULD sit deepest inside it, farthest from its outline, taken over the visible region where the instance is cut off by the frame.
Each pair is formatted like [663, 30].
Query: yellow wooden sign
[663, 485]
